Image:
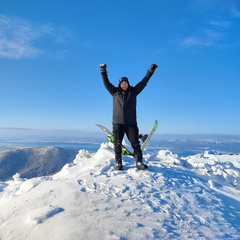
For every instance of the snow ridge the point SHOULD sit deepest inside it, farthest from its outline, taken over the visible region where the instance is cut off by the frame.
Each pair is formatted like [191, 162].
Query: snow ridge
[187, 198]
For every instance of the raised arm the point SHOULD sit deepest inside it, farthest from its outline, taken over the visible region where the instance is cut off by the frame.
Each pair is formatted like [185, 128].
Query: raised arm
[109, 86]
[142, 84]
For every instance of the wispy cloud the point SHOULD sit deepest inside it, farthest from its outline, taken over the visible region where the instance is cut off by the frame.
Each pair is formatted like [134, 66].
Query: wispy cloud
[18, 37]
[208, 36]
[214, 32]
[220, 24]
[235, 10]
[205, 38]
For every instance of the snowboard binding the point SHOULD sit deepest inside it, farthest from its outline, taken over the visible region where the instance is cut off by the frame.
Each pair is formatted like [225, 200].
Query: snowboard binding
[143, 137]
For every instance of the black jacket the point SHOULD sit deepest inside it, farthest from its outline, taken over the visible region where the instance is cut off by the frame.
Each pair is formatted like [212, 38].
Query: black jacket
[125, 102]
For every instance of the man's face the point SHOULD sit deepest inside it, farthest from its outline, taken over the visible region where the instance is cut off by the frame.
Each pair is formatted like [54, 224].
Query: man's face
[124, 85]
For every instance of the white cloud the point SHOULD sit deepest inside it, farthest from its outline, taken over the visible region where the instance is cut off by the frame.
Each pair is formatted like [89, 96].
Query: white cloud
[18, 36]
[220, 24]
[206, 37]
[210, 35]
[15, 50]
[215, 30]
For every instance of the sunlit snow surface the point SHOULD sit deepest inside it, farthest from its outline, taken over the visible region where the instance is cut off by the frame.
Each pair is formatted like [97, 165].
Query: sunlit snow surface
[196, 197]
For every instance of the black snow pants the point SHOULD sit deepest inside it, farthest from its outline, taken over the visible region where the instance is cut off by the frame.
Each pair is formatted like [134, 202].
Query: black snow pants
[132, 133]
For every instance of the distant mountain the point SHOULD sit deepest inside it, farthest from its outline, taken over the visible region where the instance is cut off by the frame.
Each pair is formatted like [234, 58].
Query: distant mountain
[198, 143]
[34, 162]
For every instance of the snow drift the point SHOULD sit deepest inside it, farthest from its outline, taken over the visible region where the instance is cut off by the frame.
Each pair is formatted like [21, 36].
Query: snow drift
[196, 197]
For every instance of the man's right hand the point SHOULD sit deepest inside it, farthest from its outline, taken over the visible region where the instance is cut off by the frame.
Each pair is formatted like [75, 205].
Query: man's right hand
[103, 67]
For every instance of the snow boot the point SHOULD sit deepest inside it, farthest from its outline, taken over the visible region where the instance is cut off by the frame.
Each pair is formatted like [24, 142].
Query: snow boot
[118, 158]
[119, 167]
[141, 166]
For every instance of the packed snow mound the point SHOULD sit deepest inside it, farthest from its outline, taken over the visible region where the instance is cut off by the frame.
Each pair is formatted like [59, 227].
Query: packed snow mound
[222, 168]
[186, 198]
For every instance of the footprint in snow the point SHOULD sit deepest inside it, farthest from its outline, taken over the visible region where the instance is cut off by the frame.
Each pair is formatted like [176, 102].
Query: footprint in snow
[42, 214]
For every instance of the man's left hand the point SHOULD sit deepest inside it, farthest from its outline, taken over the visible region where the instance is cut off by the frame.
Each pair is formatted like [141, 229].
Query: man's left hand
[153, 67]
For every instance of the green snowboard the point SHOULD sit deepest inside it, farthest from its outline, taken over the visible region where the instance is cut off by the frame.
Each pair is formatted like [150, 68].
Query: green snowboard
[125, 151]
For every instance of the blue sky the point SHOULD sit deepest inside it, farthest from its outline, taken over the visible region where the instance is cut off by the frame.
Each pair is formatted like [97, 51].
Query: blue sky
[50, 53]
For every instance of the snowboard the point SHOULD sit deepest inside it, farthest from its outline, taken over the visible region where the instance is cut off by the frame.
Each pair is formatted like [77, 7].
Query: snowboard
[110, 138]
[143, 146]
[125, 151]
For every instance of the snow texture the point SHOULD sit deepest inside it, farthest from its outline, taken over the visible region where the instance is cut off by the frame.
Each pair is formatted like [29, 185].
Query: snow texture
[197, 197]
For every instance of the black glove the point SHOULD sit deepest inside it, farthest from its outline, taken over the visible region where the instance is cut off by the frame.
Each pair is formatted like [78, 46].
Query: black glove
[103, 67]
[153, 67]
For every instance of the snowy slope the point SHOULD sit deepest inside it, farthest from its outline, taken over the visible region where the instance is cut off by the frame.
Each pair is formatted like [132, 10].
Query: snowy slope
[34, 162]
[193, 198]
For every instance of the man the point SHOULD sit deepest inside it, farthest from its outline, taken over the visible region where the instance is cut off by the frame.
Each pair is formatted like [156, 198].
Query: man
[124, 117]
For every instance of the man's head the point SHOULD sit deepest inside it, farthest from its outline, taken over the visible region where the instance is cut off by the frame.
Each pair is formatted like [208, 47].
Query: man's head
[123, 83]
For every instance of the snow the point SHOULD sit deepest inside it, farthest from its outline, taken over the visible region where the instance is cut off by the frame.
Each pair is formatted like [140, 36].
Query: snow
[196, 197]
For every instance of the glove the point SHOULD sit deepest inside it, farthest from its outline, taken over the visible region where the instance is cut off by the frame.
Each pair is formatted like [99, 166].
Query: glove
[103, 67]
[153, 67]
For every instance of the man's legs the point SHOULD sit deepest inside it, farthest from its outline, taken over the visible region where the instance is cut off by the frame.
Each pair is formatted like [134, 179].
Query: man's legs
[118, 134]
[132, 134]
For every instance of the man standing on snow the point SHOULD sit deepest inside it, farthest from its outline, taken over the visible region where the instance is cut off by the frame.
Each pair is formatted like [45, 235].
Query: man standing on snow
[124, 114]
